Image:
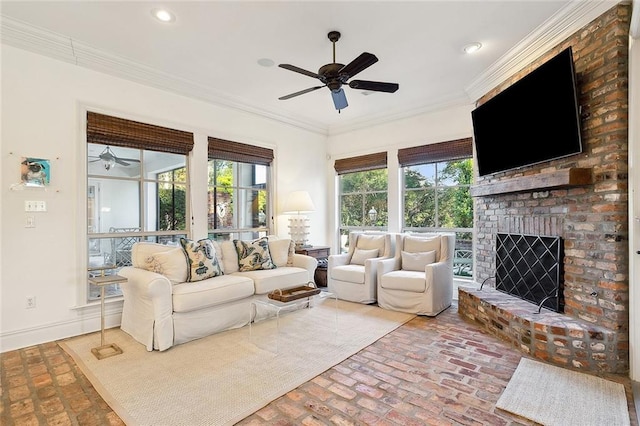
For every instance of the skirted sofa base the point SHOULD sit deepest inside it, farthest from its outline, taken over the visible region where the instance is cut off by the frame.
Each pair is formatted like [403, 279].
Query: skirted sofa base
[161, 309]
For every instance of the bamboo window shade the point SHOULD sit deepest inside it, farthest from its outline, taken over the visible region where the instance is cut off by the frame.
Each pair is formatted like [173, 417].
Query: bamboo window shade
[433, 153]
[361, 163]
[115, 131]
[221, 149]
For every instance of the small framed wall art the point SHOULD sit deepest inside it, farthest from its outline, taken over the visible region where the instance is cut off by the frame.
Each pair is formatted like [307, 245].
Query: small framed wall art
[35, 171]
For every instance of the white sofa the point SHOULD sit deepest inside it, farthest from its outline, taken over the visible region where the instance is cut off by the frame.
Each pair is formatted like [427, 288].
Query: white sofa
[162, 309]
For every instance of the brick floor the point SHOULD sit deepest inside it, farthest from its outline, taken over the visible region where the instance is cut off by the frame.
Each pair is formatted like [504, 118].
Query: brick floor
[430, 371]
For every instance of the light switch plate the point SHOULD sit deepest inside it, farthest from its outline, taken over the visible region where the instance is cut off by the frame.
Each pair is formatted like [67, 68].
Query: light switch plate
[35, 206]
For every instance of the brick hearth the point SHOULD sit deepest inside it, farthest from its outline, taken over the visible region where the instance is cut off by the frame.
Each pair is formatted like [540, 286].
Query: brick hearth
[548, 336]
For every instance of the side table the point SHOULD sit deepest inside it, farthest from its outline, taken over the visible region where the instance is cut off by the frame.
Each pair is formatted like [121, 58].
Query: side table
[105, 350]
[321, 253]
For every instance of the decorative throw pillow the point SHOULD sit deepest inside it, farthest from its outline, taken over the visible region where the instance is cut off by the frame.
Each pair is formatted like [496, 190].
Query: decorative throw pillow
[417, 261]
[370, 242]
[254, 255]
[360, 255]
[416, 244]
[292, 251]
[229, 257]
[169, 263]
[201, 259]
[218, 250]
[279, 250]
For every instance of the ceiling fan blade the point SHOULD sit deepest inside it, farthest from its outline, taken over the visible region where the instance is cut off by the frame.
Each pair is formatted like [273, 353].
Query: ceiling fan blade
[302, 92]
[339, 99]
[121, 162]
[133, 160]
[376, 86]
[300, 70]
[107, 156]
[365, 60]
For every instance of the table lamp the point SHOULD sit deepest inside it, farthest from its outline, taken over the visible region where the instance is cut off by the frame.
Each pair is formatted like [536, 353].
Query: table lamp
[299, 202]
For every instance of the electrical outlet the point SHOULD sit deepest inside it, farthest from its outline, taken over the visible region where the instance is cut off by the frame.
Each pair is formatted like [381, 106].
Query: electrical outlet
[30, 222]
[31, 302]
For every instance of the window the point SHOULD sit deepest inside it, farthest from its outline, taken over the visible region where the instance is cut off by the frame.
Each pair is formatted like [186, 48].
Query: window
[239, 191]
[133, 193]
[436, 195]
[363, 187]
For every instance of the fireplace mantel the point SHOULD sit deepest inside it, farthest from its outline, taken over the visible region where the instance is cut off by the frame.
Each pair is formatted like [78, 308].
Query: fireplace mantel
[575, 176]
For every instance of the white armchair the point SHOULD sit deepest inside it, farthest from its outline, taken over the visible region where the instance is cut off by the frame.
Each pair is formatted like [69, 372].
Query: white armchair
[352, 276]
[419, 278]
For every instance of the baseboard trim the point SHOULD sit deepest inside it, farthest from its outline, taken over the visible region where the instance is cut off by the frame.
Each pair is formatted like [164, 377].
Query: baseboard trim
[44, 333]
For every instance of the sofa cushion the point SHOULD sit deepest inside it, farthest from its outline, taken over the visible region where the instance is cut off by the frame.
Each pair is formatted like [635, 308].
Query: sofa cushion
[201, 258]
[417, 261]
[267, 280]
[412, 281]
[282, 250]
[349, 273]
[169, 263]
[360, 255]
[210, 292]
[413, 244]
[254, 255]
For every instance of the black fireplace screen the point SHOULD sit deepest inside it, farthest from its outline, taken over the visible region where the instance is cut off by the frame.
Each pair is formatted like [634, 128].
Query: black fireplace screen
[530, 267]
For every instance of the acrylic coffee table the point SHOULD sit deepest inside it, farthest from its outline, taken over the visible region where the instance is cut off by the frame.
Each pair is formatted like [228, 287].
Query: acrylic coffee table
[276, 306]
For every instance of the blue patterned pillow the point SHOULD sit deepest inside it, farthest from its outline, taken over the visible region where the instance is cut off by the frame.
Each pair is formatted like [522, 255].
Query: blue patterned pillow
[254, 255]
[201, 258]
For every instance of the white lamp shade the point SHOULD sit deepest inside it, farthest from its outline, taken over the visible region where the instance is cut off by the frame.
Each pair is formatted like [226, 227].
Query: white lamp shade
[298, 202]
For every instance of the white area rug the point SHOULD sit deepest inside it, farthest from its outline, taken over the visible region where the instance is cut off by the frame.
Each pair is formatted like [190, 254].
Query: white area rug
[221, 379]
[553, 396]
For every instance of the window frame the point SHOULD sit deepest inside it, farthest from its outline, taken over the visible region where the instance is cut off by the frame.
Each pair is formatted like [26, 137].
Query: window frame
[240, 154]
[143, 232]
[440, 153]
[360, 164]
[113, 131]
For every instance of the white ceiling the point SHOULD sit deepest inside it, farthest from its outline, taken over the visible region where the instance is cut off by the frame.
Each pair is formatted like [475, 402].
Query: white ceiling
[212, 49]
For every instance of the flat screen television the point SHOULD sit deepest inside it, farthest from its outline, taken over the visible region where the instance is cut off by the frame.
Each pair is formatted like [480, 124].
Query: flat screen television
[536, 119]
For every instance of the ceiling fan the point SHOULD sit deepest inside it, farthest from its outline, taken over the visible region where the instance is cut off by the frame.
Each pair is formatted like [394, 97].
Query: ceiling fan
[334, 75]
[110, 159]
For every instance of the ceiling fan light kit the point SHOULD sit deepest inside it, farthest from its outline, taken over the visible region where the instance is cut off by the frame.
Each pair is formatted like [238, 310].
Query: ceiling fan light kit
[334, 75]
[110, 159]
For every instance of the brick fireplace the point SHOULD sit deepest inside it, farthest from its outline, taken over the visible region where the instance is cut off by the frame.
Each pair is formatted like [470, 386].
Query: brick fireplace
[582, 199]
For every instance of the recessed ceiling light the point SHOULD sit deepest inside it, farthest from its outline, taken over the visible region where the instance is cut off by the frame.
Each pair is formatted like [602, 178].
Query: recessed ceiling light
[472, 47]
[266, 62]
[163, 15]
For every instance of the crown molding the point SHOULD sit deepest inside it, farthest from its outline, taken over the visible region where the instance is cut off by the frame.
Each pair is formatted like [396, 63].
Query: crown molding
[564, 23]
[37, 40]
[559, 27]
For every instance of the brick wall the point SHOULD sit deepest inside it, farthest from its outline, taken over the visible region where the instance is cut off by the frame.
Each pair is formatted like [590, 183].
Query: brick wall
[592, 219]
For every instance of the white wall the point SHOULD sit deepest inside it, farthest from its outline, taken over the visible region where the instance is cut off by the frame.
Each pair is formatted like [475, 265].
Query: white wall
[43, 103]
